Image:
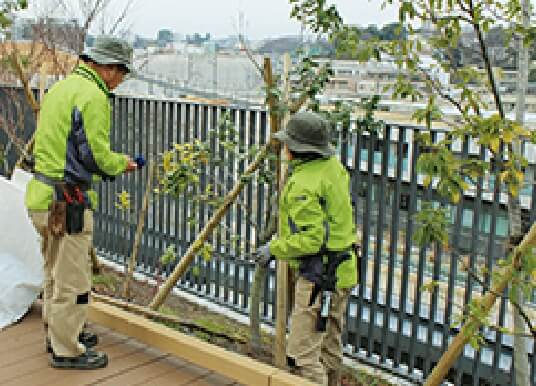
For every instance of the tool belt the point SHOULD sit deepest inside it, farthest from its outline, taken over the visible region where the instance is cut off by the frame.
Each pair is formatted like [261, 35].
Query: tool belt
[67, 208]
[324, 276]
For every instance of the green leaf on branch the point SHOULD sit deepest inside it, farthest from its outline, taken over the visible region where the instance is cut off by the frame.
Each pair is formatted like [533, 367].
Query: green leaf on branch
[432, 226]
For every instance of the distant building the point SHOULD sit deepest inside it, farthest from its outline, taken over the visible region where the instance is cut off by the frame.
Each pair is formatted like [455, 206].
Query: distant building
[63, 33]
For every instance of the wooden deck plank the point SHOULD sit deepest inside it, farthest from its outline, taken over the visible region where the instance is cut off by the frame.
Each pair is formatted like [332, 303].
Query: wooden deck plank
[119, 366]
[29, 323]
[17, 341]
[181, 376]
[138, 375]
[50, 376]
[213, 379]
[21, 354]
[40, 360]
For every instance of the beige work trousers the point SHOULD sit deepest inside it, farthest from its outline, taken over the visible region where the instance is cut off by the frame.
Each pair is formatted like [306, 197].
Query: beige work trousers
[67, 283]
[316, 352]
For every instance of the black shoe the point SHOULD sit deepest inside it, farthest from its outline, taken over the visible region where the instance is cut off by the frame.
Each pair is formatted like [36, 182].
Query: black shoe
[87, 338]
[88, 361]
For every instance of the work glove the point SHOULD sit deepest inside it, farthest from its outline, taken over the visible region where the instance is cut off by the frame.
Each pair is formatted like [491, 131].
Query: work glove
[262, 255]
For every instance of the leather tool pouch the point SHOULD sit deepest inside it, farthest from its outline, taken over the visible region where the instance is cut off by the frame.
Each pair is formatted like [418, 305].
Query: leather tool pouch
[57, 218]
[66, 211]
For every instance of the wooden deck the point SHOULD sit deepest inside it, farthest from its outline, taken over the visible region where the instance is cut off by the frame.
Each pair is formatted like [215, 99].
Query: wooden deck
[23, 361]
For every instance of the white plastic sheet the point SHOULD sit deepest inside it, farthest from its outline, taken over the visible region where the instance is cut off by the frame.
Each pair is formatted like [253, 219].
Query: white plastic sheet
[21, 262]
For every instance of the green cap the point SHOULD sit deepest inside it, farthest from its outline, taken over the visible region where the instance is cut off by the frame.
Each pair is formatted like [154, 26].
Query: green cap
[307, 132]
[110, 50]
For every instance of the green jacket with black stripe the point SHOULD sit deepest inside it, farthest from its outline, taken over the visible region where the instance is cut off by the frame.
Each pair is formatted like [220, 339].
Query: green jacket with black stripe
[315, 210]
[72, 141]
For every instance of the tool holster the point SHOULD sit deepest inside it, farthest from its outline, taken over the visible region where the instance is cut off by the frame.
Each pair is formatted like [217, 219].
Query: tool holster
[327, 285]
[67, 210]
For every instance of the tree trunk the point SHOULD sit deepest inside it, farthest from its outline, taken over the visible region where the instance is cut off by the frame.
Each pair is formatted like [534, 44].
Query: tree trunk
[255, 341]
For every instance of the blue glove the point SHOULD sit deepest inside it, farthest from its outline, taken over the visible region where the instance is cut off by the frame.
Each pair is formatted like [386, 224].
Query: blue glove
[262, 255]
[140, 161]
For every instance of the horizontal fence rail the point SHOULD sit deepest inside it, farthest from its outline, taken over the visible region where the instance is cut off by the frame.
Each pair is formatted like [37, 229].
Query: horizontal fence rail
[391, 323]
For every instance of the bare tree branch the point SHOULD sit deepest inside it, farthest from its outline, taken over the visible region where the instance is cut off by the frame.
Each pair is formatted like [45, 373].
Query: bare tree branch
[121, 18]
[487, 62]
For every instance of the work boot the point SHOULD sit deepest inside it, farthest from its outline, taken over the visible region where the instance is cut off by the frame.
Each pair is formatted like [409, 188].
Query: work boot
[87, 338]
[334, 378]
[87, 361]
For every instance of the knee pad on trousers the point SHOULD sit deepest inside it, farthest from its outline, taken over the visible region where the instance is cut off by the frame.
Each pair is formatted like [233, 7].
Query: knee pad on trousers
[291, 362]
[83, 298]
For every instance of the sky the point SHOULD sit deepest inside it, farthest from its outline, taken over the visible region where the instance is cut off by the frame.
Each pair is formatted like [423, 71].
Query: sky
[265, 18]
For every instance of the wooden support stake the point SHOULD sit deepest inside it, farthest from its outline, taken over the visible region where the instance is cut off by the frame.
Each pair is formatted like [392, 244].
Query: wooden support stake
[280, 349]
[455, 348]
[139, 230]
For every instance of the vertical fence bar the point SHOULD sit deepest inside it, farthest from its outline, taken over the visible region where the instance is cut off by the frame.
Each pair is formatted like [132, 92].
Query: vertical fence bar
[227, 233]
[366, 241]
[239, 258]
[380, 221]
[186, 230]
[219, 237]
[403, 311]
[352, 325]
[250, 218]
[232, 276]
[115, 186]
[455, 256]
[417, 296]
[261, 201]
[145, 135]
[491, 255]
[179, 219]
[194, 204]
[393, 241]
[203, 128]
[475, 233]
[431, 357]
[168, 200]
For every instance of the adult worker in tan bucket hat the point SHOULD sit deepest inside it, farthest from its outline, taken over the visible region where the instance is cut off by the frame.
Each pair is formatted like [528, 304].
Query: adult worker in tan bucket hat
[72, 151]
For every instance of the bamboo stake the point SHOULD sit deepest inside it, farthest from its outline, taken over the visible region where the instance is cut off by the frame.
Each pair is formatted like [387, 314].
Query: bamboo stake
[139, 230]
[280, 349]
[473, 324]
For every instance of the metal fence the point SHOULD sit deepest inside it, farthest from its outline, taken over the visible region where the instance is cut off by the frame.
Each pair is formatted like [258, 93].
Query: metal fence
[391, 322]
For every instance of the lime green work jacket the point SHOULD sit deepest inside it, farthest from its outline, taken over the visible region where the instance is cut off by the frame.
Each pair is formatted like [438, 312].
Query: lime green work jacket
[316, 203]
[72, 141]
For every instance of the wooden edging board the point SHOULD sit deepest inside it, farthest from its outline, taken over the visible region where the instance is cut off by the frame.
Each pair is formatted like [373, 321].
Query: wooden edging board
[234, 366]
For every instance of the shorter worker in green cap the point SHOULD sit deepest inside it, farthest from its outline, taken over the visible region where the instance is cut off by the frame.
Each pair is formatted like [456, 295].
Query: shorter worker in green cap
[317, 236]
[72, 151]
